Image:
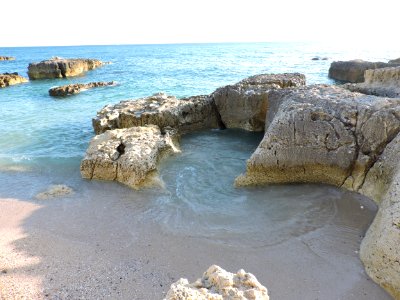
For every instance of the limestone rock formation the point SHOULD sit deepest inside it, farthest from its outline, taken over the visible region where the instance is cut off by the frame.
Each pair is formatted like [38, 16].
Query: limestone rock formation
[7, 58]
[353, 70]
[244, 104]
[188, 114]
[326, 134]
[76, 88]
[61, 68]
[129, 155]
[218, 284]
[54, 191]
[384, 82]
[7, 79]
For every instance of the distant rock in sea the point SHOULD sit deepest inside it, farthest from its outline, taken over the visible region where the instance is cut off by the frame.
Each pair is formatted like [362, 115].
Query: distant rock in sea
[7, 79]
[76, 88]
[319, 58]
[61, 68]
[7, 58]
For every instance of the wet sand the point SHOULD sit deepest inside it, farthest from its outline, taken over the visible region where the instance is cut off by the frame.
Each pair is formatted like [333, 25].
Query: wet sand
[91, 246]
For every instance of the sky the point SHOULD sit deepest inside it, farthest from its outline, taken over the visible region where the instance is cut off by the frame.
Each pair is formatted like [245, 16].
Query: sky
[100, 22]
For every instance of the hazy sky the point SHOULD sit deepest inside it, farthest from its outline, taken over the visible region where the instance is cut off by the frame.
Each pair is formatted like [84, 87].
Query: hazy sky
[84, 22]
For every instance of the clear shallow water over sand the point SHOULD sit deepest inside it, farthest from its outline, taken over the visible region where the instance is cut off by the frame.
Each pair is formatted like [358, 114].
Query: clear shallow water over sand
[294, 237]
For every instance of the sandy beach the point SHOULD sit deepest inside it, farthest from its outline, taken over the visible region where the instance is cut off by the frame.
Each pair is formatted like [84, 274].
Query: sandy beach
[90, 246]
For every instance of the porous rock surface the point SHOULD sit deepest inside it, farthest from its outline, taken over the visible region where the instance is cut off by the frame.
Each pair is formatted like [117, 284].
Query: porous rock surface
[54, 191]
[61, 68]
[7, 79]
[128, 155]
[327, 134]
[7, 58]
[244, 105]
[353, 70]
[384, 82]
[218, 284]
[186, 115]
[76, 88]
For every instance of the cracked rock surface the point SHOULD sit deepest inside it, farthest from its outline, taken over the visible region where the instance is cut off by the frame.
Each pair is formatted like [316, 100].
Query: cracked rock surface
[7, 79]
[72, 89]
[186, 115]
[129, 156]
[244, 105]
[218, 284]
[61, 68]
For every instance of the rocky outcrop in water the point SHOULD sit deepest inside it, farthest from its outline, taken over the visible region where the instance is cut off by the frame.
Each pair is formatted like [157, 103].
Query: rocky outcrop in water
[326, 134]
[186, 115]
[61, 68]
[7, 79]
[128, 155]
[353, 70]
[218, 284]
[55, 191]
[244, 104]
[76, 88]
[7, 58]
[384, 82]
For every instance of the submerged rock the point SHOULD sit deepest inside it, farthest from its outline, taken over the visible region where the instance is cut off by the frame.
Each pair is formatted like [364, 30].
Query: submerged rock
[384, 82]
[7, 79]
[353, 70]
[76, 88]
[61, 68]
[218, 284]
[129, 155]
[186, 115]
[7, 58]
[54, 191]
[244, 104]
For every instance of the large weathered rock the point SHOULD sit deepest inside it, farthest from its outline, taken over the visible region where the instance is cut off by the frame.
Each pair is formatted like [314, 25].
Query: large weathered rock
[76, 88]
[394, 61]
[353, 70]
[7, 58]
[218, 284]
[61, 68]
[244, 104]
[326, 134]
[128, 155]
[188, 114]
[384, 82]
[7, 79]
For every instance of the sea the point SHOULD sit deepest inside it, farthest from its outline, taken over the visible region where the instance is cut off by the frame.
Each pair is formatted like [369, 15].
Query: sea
[43, 139]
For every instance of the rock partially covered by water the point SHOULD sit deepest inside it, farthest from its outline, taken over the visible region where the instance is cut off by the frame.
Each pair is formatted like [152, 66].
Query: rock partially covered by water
[76, 88]
[55, 191]
[7, 79]
[244, 104]
[7, 58]
[129, 156]
[218, 284]
[384, 82]
[187, 114]
[61, 68]
[353, 70]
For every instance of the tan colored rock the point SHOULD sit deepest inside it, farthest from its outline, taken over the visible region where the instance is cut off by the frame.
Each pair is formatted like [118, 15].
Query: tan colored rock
[72, 89]
[54, 191]
[187, 114]
[218, 284]
[353, 70]
[7, 58]
[384, 82]
[244, 104]
[7, 79]
[129, 155]
[61, 68]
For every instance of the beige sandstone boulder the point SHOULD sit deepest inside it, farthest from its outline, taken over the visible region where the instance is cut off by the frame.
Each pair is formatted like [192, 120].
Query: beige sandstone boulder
[7, 79]
[384, 82]
[7, 58]
[353, 70]
[61, 68]
[244, 104]
[129, 155]
[76, 88]
[186, 115]
[218, 284]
